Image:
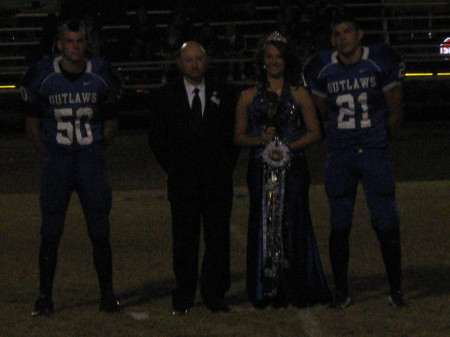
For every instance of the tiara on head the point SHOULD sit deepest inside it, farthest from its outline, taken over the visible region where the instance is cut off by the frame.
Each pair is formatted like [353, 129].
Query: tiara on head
[276, 36]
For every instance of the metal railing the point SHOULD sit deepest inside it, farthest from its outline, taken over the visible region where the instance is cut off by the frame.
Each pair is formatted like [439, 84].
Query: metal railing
[405, 25]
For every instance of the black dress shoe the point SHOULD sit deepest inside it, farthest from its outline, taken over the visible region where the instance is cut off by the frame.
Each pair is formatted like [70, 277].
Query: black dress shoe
[43, 306]
[279, 303]
[260, 304]
[110, 304]
[341, 301]
[217, 306]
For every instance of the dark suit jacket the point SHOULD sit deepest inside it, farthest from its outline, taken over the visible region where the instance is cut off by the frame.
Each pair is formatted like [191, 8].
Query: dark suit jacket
[196, 157]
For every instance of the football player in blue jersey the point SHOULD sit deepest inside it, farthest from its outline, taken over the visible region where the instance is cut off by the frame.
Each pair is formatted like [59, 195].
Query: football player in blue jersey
[72, 105]
[358, 90]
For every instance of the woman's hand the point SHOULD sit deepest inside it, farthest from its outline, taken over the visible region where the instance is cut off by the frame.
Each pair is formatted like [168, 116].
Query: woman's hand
[268, 134]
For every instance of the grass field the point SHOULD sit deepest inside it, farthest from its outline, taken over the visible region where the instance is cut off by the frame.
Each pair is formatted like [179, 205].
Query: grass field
[142, 254]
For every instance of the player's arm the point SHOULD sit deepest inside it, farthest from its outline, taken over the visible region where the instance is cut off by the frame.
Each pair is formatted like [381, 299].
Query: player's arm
[110, 112]
[33, 132]
[315, 86]
[321, 104]
[394, 104]
[110, 127]
[33, 107]
[393, 73]
[308, 110]
[112, 105]
[241, 135]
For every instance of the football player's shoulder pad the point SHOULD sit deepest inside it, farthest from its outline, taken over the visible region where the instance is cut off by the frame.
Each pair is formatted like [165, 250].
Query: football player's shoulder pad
[316, 63]
[384, 54]
[37, 72]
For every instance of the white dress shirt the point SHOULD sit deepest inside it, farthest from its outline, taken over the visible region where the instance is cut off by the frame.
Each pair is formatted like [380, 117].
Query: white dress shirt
[190, 93]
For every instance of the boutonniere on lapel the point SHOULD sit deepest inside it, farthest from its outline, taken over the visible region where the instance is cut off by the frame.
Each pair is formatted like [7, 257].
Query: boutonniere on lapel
[215, 99]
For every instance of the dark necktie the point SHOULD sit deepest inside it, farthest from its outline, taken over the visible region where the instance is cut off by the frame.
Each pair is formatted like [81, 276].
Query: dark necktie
[197, 106]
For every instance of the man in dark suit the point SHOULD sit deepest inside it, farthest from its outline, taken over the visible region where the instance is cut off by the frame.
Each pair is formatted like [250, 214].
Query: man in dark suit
[191, 135]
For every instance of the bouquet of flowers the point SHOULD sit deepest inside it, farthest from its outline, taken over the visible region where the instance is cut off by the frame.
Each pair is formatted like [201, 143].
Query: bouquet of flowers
[276, 153]
[272, 101]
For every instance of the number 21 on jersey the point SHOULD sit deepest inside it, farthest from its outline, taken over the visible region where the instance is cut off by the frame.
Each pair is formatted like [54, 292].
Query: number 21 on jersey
[347, 109]
[66, 130]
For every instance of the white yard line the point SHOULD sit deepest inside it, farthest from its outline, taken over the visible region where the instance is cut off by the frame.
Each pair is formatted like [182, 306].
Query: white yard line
[139, 316]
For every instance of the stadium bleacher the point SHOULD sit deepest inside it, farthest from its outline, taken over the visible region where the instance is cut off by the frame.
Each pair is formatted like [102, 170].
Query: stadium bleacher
[417, 29]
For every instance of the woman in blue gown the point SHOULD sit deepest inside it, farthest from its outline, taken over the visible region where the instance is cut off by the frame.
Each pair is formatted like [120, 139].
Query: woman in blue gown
[277, 120]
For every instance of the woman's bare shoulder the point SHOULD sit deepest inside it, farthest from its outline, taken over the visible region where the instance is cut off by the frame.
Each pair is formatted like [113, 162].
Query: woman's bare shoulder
[249, 92]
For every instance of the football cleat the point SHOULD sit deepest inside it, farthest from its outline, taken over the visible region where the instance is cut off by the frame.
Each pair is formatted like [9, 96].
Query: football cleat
[110, 304]
[43, 306]
[341, 301]
[396, 299]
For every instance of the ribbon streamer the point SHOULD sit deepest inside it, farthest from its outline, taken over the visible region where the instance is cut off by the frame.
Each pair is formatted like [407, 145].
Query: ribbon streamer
[275, 159]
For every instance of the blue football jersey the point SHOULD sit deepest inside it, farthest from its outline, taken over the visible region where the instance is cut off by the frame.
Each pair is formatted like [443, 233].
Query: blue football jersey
[354, 94]
[71, 110]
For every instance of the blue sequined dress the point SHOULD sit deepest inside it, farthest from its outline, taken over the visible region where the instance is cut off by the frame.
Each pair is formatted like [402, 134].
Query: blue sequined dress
[302, 282]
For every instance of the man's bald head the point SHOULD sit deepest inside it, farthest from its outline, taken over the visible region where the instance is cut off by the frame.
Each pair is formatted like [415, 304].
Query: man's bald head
[189, 45]
[193, 62]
